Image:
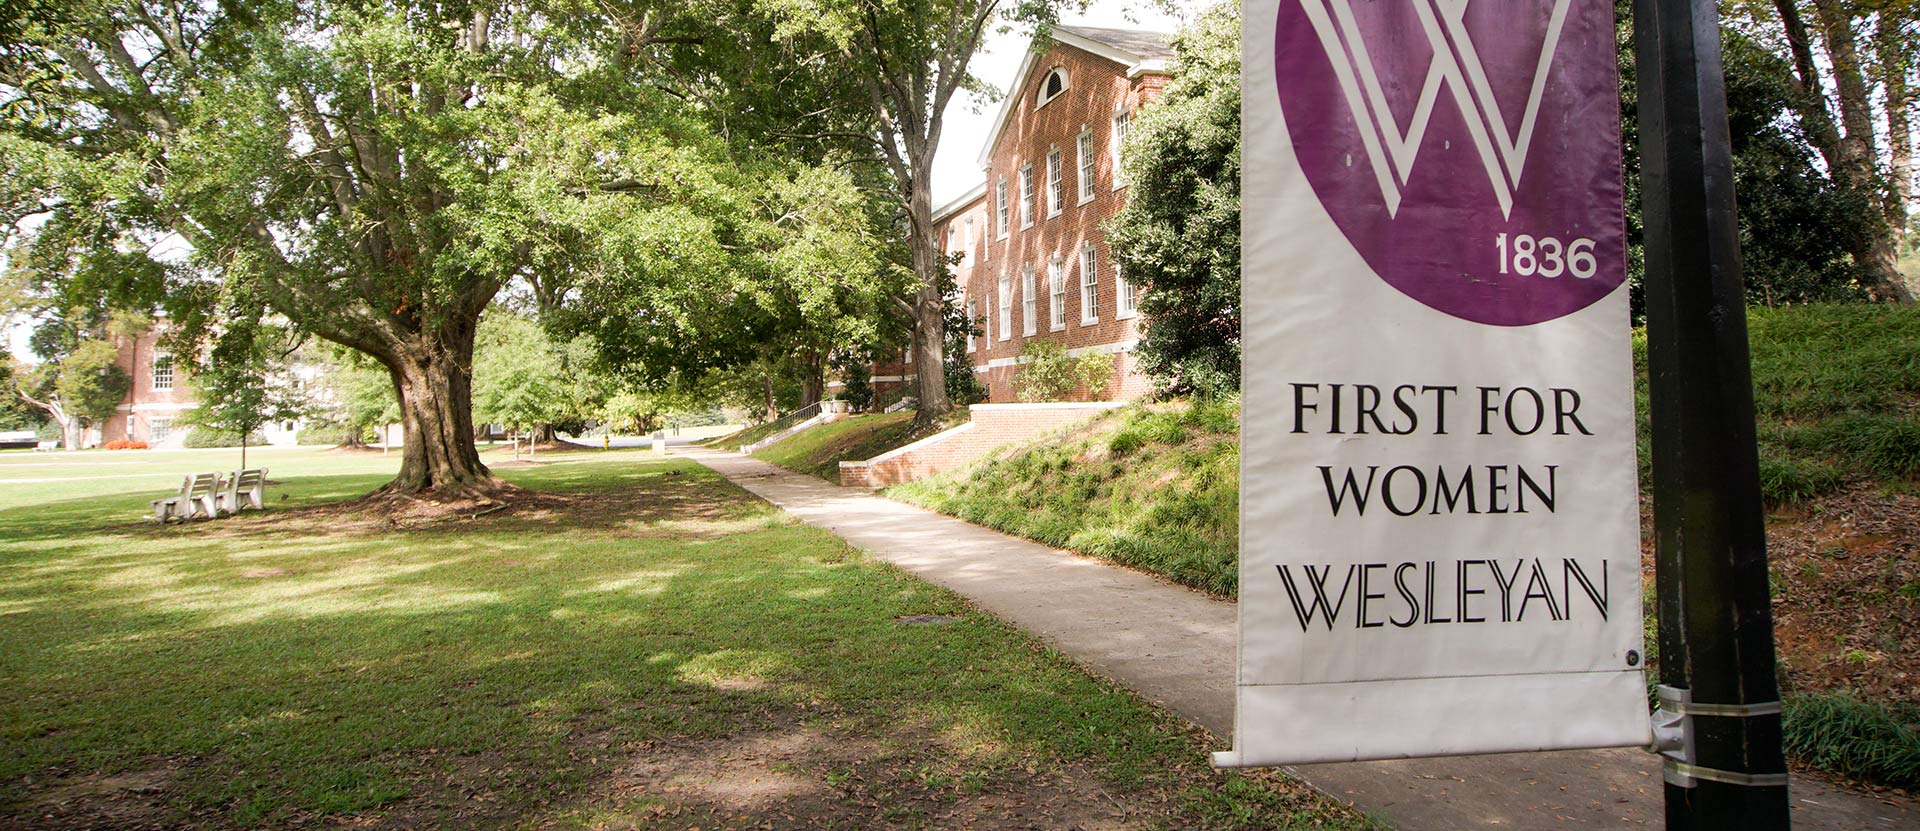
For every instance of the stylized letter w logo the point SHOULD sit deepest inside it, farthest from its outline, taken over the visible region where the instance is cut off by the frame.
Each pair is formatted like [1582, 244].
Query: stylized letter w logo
[1456, 66]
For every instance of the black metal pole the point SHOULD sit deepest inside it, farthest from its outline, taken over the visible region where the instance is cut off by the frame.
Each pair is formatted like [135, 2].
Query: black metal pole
[1716, 623]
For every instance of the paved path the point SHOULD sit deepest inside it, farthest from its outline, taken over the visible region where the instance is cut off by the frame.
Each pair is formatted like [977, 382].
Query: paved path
[1175, 646]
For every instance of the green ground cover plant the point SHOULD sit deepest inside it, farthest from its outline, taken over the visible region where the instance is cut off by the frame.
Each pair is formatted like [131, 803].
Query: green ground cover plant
[1153, 486]
[1866, 740]
[641, 644]
[818, 451]
[1836, 397]
[747, 435]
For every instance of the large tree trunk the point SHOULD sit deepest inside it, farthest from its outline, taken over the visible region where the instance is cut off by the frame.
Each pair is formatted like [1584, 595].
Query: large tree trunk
[813, 377]
[433, 379]
[929, 324]
[1849, 148]
[1895, 59]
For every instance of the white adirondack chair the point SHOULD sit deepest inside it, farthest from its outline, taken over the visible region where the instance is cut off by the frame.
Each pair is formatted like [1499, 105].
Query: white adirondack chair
[197, 496]
[245, 489]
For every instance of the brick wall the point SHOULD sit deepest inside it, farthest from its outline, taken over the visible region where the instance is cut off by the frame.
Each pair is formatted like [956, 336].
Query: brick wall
[146, 407]
[992, 426]
[1097, 90]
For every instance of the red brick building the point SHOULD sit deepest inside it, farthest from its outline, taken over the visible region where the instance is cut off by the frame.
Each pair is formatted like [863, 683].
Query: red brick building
[1034, 262]
[159, 398]
[155, 408]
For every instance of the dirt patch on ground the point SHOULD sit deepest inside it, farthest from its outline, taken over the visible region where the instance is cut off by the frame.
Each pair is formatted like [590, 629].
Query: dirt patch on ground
[356, 449]
[1846, 605]
[1846, 592]
[129, 801]
[543, 447]
[678, 507]
[805, 777]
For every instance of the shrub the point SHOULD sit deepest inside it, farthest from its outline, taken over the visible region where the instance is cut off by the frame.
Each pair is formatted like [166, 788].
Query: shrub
[1050, 374]
[327, 435]
[124, 444]
[205, 437]
[1870, 742]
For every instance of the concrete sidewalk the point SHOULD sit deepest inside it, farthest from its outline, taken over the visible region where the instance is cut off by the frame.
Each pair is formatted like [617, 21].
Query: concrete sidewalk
[1175, 647]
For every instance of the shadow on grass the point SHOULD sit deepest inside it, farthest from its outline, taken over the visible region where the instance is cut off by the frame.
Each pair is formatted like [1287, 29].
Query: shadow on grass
[567, 667]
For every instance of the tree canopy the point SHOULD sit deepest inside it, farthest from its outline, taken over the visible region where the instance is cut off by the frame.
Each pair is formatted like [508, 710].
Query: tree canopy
[1178, 238]
[378, 174]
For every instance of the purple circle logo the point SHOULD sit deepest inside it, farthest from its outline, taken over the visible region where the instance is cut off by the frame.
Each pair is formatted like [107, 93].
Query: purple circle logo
[1470, 151]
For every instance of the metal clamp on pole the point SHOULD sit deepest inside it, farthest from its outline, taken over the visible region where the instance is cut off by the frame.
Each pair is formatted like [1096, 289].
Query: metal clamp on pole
[1673, 739]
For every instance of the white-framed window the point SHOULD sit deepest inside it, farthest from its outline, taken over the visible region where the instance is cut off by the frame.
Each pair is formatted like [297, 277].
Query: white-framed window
[966, 241]
[1000, 207]
[1120, 120]
[953, 239]
[1083, 157]
[158, 429]
[909, 359]
[162, 371]
[1026, 196]
[1057, 293]
[972, 315]
[1051, 87]
[1089, 287]
[1125, 303]
[1056, 199]
[1029, 320]
[1006, 307]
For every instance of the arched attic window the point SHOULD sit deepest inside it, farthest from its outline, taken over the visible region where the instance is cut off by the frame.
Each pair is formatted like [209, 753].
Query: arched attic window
[1050, 88]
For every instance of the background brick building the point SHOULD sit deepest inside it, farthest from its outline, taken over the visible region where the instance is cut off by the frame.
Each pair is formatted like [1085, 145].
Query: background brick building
[1034, 262]
[159, 398]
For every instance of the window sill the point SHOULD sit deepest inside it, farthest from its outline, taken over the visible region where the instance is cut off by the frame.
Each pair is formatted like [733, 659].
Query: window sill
[1089, 321]
[1126, 315]
[1058, 327]
[1085, 199]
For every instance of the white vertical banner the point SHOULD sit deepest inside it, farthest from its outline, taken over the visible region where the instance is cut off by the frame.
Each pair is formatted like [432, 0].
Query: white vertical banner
[1439, 546]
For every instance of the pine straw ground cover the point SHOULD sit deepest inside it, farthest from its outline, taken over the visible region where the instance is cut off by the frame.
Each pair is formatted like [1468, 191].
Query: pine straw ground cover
[643, 645]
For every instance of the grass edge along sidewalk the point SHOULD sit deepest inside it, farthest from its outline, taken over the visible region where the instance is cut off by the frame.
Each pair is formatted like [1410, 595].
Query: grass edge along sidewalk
[1175, 646]
[644, 643]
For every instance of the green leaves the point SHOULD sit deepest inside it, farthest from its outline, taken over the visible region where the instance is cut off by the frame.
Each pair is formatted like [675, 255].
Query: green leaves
[1178, 239]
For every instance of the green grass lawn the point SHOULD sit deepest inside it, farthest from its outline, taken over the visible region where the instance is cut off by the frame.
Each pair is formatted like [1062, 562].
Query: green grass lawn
[645, 645]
